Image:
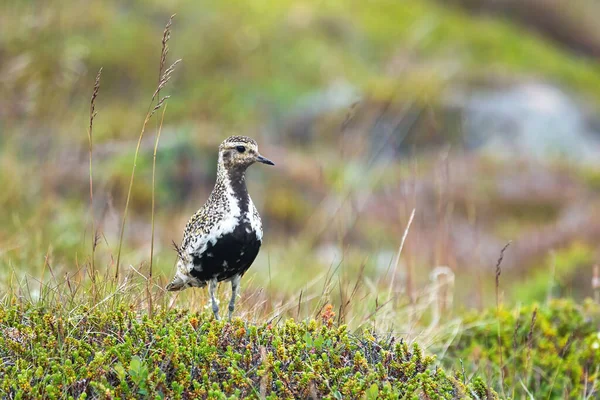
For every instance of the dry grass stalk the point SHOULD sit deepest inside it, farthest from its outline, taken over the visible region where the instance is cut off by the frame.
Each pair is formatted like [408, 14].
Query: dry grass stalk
[164, 79]
[530, 338]
[499, 272]
[90, 142]
[165, 46]
[163, 59]
[149, 281]
[299, 305]
[500, 350]
[397, 258]
[177, 249]
[344, 305]
[515, 335]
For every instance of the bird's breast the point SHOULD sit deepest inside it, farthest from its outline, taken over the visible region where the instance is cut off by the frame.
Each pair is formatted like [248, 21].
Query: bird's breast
[247, 228]
[229, 254]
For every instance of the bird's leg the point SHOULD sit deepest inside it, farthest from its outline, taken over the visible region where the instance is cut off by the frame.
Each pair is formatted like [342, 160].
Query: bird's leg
[212, 288]
[235, 286]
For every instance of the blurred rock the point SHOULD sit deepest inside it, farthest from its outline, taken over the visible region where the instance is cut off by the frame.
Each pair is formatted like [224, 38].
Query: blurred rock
[299, 124]
[532, 121]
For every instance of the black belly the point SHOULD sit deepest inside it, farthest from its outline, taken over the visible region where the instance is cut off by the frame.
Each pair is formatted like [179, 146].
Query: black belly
[232, 254]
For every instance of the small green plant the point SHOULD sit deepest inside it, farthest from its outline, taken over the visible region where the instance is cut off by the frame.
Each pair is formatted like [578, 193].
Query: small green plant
[123, 353]
[550, 351]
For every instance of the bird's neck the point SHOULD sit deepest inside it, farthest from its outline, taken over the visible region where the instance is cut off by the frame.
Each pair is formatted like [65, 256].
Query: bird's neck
[234, 181]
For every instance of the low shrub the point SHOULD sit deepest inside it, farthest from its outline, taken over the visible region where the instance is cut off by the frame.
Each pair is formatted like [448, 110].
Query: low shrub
[53, 353]
[546, 351]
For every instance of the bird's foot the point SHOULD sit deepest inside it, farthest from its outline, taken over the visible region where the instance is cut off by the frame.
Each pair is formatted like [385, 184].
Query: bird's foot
[215, 309]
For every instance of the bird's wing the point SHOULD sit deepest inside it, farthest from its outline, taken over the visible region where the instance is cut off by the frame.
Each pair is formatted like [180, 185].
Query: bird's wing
[196, 228]
[256, 223]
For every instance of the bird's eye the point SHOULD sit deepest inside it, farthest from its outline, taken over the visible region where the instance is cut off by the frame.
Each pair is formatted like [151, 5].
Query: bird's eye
[240, 149]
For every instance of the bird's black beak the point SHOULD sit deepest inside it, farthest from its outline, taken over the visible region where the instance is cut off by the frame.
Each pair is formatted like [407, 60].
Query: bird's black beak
[264, 160]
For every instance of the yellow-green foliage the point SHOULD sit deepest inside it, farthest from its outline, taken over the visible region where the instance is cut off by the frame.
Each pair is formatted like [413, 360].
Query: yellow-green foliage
[238, 55]
[556, 358]
[50, 353]
[553, 276]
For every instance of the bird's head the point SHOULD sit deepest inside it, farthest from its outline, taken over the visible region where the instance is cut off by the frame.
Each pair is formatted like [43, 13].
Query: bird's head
[239, 152]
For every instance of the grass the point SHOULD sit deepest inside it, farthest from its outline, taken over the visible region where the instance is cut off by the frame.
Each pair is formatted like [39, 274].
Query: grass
[91, 150]
[550, 349]
[66, 345]
[163, 58]
[164, 77]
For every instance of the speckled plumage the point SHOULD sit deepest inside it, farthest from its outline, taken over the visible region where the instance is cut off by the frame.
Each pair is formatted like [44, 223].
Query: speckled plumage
[222, 239]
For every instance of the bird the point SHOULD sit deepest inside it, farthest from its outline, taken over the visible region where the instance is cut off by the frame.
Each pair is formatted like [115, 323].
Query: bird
[222, 239]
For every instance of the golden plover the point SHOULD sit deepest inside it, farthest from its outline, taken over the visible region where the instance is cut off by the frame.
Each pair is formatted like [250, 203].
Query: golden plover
[222, 239]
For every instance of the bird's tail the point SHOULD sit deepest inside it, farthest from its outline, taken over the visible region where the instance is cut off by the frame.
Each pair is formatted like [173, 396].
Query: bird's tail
[179, 282]
[176, 284]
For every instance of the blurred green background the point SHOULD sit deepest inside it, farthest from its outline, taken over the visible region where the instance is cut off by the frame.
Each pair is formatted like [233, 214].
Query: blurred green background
[480, 115]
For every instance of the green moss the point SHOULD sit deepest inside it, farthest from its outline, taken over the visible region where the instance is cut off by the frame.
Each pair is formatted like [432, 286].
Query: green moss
[554, 274]
[48, 353]
[556, 357]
